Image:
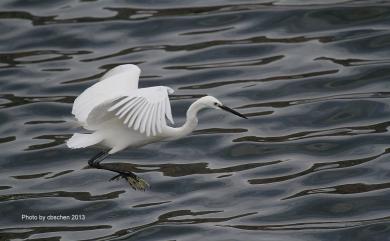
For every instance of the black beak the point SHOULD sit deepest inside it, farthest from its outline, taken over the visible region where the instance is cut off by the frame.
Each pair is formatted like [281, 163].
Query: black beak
[232, 111]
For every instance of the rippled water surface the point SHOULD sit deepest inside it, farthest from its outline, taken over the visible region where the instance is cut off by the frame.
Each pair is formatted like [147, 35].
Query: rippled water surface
[311, 163]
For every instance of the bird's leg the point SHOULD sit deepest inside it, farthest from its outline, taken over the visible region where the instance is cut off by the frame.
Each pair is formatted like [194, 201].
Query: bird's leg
[95, 161]
[134, 181]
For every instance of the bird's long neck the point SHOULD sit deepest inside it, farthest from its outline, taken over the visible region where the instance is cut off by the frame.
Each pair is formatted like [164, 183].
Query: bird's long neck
[191, 121]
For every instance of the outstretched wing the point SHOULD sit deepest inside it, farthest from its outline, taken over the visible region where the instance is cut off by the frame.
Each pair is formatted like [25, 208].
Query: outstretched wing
[119, 81]
[144, 110]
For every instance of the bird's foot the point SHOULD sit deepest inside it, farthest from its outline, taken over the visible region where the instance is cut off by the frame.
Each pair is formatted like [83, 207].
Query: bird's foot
[134, 181]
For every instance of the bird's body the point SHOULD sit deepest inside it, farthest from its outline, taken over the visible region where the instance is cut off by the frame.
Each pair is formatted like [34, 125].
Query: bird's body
[118, 114]
[113, 135]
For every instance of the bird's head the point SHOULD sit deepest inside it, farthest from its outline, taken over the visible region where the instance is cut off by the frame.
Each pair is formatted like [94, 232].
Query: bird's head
[214, 103]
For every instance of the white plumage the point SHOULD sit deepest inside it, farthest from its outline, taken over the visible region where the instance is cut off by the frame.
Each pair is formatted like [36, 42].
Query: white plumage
[119, 114]
[117, 82]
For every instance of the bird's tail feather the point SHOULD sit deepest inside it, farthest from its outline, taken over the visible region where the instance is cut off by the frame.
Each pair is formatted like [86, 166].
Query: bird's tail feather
[83, 140]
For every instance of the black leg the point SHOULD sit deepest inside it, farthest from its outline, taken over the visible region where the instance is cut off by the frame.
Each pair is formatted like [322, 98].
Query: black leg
[134, 181]
[94, 161]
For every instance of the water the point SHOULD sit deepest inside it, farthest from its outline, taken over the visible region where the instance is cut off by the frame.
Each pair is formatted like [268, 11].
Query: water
[311, 163]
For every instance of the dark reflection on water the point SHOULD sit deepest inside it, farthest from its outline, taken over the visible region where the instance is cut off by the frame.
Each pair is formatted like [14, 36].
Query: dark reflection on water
[85, 196]
[310, 163]
[25, 233]
[316, 168]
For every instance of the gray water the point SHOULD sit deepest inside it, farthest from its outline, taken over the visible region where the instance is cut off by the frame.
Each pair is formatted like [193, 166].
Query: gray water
[311, 163]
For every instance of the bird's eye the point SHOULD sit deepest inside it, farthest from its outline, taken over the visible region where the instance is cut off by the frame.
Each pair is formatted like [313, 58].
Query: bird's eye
[215, 103]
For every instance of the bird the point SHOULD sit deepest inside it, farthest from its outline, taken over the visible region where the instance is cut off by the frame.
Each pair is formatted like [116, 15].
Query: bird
[116, 114]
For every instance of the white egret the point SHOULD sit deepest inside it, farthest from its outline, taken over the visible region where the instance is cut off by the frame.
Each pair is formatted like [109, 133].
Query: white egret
[119, 115]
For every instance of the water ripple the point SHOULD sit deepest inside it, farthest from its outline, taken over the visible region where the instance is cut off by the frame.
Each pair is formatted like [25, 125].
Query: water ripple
[18, 233]
[318, 167]
[313, 225]
[273, 78]
[82, 196]
[310, 163]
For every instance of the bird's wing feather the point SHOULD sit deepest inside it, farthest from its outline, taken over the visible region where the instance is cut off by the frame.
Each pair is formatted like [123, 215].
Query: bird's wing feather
[145, 110]
[117, 82]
